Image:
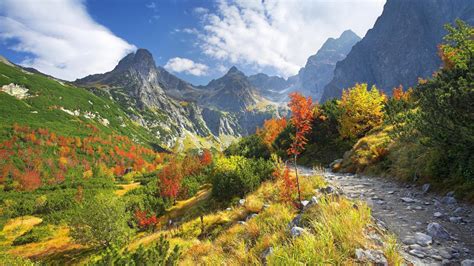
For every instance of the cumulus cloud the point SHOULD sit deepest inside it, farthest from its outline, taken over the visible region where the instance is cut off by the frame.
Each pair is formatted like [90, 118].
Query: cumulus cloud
[62, 38]
[280, 34]
[188, 66]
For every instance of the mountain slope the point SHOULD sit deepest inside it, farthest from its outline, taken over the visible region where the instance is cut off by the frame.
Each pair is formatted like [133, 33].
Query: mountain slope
[38, 101]
[401, 47]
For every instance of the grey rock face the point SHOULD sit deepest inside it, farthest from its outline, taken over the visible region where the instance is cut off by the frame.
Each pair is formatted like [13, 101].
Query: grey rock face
[467, 263]
[406, 34]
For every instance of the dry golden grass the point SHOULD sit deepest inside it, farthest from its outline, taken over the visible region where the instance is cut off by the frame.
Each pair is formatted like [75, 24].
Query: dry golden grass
[59, 243]
[126, 187]
[18, 226]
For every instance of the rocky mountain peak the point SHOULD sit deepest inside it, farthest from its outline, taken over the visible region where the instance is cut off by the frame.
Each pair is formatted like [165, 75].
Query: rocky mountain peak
[142, 61]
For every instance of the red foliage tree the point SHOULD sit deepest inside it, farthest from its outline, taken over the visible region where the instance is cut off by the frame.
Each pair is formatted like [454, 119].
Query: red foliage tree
[170, 180]
[144, 220]
[30, 179]
[302, 115]
[206, 157]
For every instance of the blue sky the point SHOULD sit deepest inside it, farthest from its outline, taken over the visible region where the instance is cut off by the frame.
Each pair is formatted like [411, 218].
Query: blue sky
[195, 40]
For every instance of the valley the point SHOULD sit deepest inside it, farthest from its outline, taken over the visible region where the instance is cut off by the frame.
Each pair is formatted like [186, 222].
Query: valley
[360, 155]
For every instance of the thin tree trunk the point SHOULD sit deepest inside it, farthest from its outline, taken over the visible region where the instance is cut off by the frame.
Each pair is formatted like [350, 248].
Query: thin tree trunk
[298, 184]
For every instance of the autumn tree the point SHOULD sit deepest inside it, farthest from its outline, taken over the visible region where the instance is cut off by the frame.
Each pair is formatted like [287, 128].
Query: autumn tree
[271, 129]
[301, 118]
[170, 180]
[362, 110]
[206, 157]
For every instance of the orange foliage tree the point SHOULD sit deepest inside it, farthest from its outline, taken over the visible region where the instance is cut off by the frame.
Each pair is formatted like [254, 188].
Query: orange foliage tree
[301, 118]
[271, 129]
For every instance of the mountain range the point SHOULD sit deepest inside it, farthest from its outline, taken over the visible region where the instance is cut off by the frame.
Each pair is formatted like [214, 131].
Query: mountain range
[401, 47]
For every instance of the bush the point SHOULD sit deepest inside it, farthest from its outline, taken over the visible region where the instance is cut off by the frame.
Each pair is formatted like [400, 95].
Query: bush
[36, 234]
[236, 176]
[250, 147]
[101, 221]
[159, 253]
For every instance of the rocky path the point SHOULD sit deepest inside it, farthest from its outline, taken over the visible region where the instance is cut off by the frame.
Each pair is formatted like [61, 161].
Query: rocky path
[432, 229]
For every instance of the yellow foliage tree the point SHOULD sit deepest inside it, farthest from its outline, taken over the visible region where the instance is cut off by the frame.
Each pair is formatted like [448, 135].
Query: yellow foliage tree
[362, 110]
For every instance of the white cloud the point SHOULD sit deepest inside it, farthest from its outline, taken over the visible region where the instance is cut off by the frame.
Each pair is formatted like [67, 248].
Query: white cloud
[62, 37]
[280, 34]
[200, 10]
[185, 65]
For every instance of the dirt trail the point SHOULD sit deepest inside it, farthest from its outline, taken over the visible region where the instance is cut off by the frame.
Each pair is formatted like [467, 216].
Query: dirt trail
[406, 210]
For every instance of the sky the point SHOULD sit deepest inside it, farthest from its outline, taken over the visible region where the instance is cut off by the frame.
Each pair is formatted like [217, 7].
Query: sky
[195, 40]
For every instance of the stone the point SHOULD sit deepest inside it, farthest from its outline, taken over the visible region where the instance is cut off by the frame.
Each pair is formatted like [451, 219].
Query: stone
[266, 206]
[418, 253]
[253, 215]
[436, 257]
[241, 202]
[425, 188]
[408, 241]
[450, 194]
[455, 219]
[328, 190]
[423, 239]
[304, 203]
[437, 215]
[295, 222]
[445, 254]
[228, 209]
[296, 231]
[448, 200]
[242, 222]
[375, 256]
[267, 252]
[314, 200]
[457, 210]
[390, 192]
[468, 262]
[418, 208]
[437, 231]
[407, 200]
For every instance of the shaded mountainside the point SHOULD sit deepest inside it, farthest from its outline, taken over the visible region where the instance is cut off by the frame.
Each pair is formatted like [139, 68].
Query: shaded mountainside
[319, 68]
[314, 76]
[401, 47]
[173, 109]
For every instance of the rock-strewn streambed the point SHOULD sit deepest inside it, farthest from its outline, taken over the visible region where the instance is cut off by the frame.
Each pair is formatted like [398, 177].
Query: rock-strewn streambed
[432, 229]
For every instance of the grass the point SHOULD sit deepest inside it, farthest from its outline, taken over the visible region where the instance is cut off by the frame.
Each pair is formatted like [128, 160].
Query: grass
[126, 187]
[335, 228]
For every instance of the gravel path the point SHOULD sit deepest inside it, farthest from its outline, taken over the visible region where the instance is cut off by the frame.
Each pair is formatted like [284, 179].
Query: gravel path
[432, 229]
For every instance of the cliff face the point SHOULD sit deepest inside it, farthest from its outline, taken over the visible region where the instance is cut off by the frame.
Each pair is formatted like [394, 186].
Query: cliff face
[401, 47]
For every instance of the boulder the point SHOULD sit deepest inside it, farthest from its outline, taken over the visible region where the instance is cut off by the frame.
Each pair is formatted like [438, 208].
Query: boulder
[455, 219]
[467, 263]
[423, 239]
[241, 202]
[314, 200]
[436, 230]
[253, 215]
[267, 252]
[437, 215]
[304, 203]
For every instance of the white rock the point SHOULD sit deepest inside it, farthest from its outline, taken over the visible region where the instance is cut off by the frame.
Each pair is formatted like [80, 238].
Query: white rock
[375, 256]
[304, 203]
[418, 253]
[241, 202]
[314, 200]
[455, 219]
[15, 90]
[437, 215]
